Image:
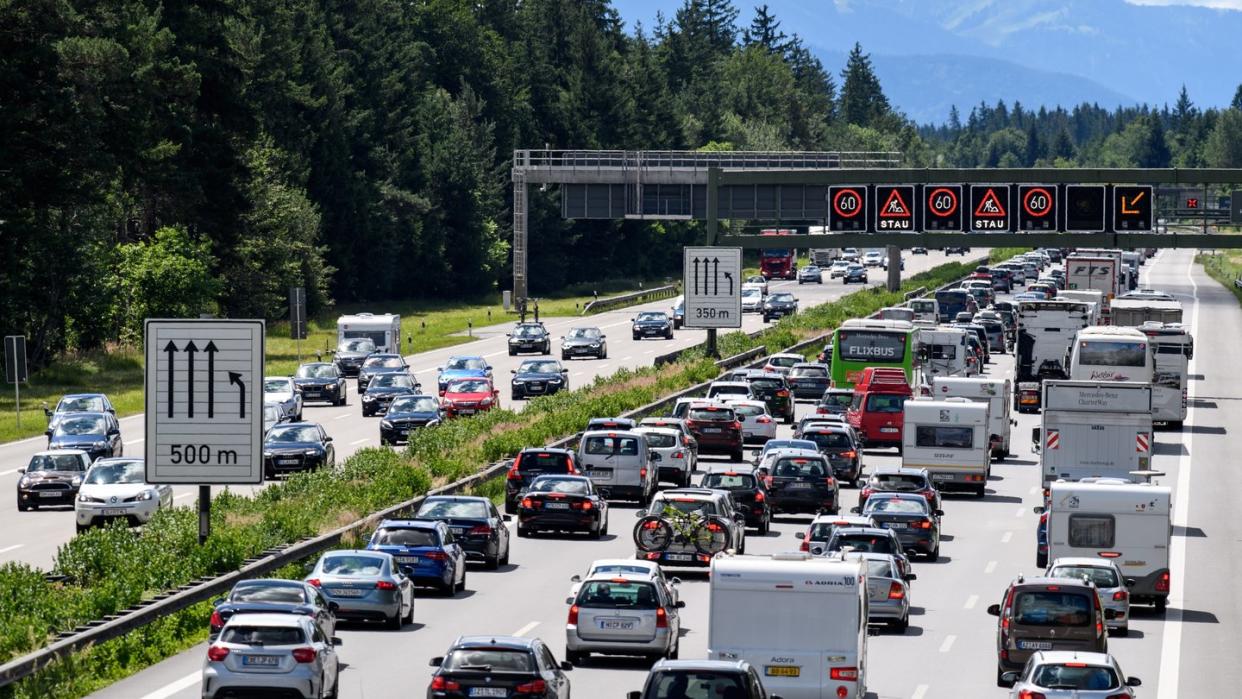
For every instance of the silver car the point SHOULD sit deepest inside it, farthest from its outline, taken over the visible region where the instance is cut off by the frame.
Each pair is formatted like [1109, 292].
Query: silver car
[752, 300]
[1110, 583]
[270, 653]
[622, 614]
[282, 391]
[888, 590]
[366, 585]
[1070, 675]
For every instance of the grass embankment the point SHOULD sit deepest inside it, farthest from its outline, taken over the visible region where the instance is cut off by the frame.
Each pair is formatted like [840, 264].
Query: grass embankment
[1225, 266]
[109, 569]
[118, 372]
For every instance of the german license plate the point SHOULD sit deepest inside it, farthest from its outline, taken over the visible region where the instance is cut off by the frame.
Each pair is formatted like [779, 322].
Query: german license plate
[782, 670]
[113, 511]
[942, 477]
[895, 525]
[345, 592]
[287, 462]
[711, 430]
[260, 660]
[489, 692]
[406, 559]
[1035, 645]
[616, 624]
[466, 411]
[557, 505]
[310, 394]
[50, 494]
[800, 486]
[603, 474]
[678, 557]
[888, 430]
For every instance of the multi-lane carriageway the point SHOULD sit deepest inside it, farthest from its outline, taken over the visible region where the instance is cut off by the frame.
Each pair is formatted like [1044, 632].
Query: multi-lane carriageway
[948, 651]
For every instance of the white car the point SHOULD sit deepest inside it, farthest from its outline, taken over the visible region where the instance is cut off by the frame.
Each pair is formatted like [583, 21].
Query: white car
[1070, 675]
[752, 300]
[282, 391]
[837, 270]
[272, 415]
[757, 425]
[116, 487]
[849, 254]
[873, 258]
[279, 653]
[674, 464]
[626, 566]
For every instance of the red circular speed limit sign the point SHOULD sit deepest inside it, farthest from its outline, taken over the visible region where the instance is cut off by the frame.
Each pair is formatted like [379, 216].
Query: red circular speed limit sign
[942, 202]
[1037, 202]
[848, 203]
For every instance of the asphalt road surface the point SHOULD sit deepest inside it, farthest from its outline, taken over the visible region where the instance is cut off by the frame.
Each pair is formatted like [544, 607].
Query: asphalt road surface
[948, 650]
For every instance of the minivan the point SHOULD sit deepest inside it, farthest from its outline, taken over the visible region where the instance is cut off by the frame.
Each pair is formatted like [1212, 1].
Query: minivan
[619, 463]
[1047, 614]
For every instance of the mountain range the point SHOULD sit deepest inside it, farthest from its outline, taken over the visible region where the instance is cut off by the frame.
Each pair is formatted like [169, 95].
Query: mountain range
[932, 54]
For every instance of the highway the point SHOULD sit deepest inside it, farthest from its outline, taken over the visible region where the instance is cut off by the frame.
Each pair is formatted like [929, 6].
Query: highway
[33, 537]
[948, 650]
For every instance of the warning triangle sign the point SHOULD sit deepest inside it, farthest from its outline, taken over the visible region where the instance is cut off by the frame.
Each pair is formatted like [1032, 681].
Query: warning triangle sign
[990, 206]
[894, 206]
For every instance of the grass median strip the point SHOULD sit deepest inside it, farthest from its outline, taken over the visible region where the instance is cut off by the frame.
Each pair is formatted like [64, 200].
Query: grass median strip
[111, 568]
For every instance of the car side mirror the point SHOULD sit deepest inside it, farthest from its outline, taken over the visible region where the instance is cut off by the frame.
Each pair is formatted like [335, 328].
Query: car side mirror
[576, 578]
[634, 695]
[817, 550]
[564, 371]
[513, 371]
[506, 518]
[328, 438]
[656, 457]
[1131, 582]
[994, 609]
[675, 581]
[21, 470]
[337, 642]
[856, 510]
[640, 514]
[1134, 682]
[799, 535]
[508, 335]
[909, 577]
[217, 602]
[47, 412]
[566, 665]
[1038, 509]
[436, 661]
[602, 337]
[1008, 679]
[939, 513]
[334, 607]
[569, 600]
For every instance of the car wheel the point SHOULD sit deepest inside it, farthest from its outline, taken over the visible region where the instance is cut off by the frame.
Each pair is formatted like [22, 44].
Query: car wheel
[493, 562]
[461, 586]
[1041, 560]
[564, 357]
[901, 624]
[21, 507]
[765, 525]
[522, 533]
[979, 492]
[513, 396]
[1122, 632]
[510, 507]
[999, 671]
[336, 678]
[635, 338]
[384, 442]
[739, 455]
[676, 651]
[604, 354]
[598, 532]
[669, 336]
[393, 623]
[1161, 604]
[575, 658]
[935, 554]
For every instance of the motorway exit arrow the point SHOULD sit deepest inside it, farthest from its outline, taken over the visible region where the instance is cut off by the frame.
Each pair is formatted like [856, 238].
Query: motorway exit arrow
[729, 276]
[236, 378]
[190, 350]
[211, 378]
[171, 349]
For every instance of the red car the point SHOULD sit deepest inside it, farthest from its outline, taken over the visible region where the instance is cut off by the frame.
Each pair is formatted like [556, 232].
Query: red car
[469, 396]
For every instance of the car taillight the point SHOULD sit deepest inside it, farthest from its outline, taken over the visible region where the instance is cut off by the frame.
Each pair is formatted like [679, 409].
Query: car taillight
[847, 674]
[514, 474]
[830, 482]
[642, 472]
[737, 426]
[582, 505]
[573, 615]
[217, 653]
[760, 497]
[536, 687]
[1121, 596]
[435, 556]
[313, 581]
[767, 481]
[866, 493]
[443, 685]
[849, 454]
[895, 591]
[304, 655]
[782, 393]
[1162, 585]
[661, 618]
[764, 420]
[385, 585]
[806, 545]
[217, 621]
[483, 529]
[925, 524]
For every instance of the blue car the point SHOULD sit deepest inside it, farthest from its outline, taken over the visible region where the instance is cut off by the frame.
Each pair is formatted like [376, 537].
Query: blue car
[425, 551]
[462, 367]
[539, 377]
[96, 433]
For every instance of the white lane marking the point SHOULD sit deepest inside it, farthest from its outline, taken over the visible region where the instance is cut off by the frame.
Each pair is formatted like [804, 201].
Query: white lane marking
[989, 568]
[174, 687]
[493, 354]
[526, 629]
[1034, 489]
[603, 366]
[578, 373]
[1021, 511]
[1171, 641]
[14, 547]
[919, 692]
[626, 359]
[135, 441]
[364, 440]
[649, 352]
[1006, 537]
[183, 495]
[12, 470]
[948, 643]
[971, 602]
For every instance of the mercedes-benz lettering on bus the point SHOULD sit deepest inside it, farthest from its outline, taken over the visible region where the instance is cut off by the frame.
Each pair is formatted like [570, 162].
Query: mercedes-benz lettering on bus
[1111, 354]
[860, 343]
[777, 263]
[1172, 349]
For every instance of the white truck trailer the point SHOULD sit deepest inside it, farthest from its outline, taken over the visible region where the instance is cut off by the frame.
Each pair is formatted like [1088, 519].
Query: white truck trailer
[1094, 429]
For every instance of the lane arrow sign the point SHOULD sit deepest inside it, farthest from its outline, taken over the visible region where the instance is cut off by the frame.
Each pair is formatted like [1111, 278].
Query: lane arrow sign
[171, 349]
[191, 349]
[716, 275]
[211, 378]
[1127, 207]
[696, 275]
[236, 378]
[729, 276]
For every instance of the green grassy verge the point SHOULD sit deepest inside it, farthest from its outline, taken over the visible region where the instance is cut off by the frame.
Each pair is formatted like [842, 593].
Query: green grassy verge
[111, 568]
[1224, 266]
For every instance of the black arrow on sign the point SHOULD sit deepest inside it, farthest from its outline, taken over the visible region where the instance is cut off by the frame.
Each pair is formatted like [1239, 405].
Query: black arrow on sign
[715, 274]
[190, 349]
[729, 276]
[235, 378]
[171, 349]
[211, 378]
[696, 274]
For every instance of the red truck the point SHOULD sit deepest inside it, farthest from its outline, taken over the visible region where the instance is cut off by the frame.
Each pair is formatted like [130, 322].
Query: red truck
[778, 263]
[878, 410]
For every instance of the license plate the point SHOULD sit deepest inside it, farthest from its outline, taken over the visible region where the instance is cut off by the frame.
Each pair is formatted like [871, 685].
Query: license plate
[466, 411]
[678, 557]
[260, 660]
[941, 477]
[287, 461]
[888, 430]
[346, 592]
[310, 394]
[111, 511]
[603, 474]
[1035, 645]
[557, 505]
[711, 430]
[800, 486]
[616, 625]
[50, 494]
[406, 559]
[489, 692]
[782, 670]
[895, 525]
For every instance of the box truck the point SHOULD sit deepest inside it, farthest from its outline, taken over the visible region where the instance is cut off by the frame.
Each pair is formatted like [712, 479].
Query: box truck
[1094, 429]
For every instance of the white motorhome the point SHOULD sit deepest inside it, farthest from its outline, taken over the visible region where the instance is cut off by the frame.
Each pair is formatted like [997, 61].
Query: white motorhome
[1172, 349]
[1130, 523]
[897, 313]
[1110, 353]
[949, 438]
[800, 620]
[1046, 329]
[384, 330]
[1094, 429]
[1132, 313]
[995, 392]
[1094, 298]
[925, 309]
[944, 352]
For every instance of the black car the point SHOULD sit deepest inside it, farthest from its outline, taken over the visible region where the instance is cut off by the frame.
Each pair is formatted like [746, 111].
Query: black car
[955, 251]
[485, 666]
[808, 380]
[97, 434]
[584, 342]
[773, 389]
[835, 401]
[406, 414]
[779, 305]
[383, 388]
[529, 337]
[538, 377]
[652, 324]
[679, 313]
[274, 596]
[916, 525]
[377, 364]
[803, 484]
[321, 381]
[562, 504]
[530, 464]
[854, 274]
[51, 478]
[837, 443]
[478, 527]
[76, 403]
[749, 495]
[296, 446]
[918, 250]
[350, 354]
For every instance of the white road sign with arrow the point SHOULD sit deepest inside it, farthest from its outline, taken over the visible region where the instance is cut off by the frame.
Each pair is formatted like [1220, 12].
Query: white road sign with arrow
[713, 287]
[204, 401]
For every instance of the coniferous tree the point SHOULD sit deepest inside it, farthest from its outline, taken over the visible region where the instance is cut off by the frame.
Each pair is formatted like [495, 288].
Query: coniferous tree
[862, 100]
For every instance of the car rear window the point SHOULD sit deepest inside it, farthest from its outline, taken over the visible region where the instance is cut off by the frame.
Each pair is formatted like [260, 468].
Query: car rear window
[768, 384]
[897, 481]
[543, 462]
[405, 536]
[613, 594]
[749, 410]
[695, 684]
[880, 569]
[869, 543]
[263, 635]
[278, 594]
[896, 506]
[346, 565]
[1052, 608]
[885, 403]
[572, 486]
[936, 436]
[829, 440]
[808, 372]
[438, 509]
[661, 440]
[798, 468]
[842, 400]
[626, 446]
[1101, 577]
[1076, 676]
[1091, 531]
[729, 481]
[712, 414]
[489, 659]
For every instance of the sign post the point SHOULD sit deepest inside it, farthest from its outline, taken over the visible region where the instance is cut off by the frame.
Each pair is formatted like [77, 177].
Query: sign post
[297, 316]
[15, 368]
[712, 282]
[204, 405]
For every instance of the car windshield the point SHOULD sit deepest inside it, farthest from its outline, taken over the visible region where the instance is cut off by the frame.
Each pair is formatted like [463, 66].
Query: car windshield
[289, 435]
[897, 481]
[572, 486]
[405, 536]
[72, 426]
[413, 405]
[1075, 676]
[55, 462]
[449, 509]
[729, 481]
[896, 506]
[488, 660]
[383, 363]
[752, 293]
[696, 684]
[1100, 576]
[651, 317]
[712, 415]
[469, 387]
[356, 345]
[117, 472]
[661, 439]
[829, 440]
[277, 386]
[774, 444]
[540, 367]
[274, 594]
[262, 635]
[527, 331]
[803, 372]
[81, 404]
[781, 298]
[1052, 608]
[868, 543]
[611, 594]
[584, 334]
[798, 468]
[459, 363]
[391, 381]
[316, 371]
[885, 403]
[352, 565]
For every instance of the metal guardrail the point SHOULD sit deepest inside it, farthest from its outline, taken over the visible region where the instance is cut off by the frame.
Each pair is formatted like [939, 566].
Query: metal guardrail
[916, 293]
[701, 160]
[659, 292]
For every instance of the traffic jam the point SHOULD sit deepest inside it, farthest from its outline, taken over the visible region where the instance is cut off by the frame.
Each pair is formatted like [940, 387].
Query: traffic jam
[839, 469]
